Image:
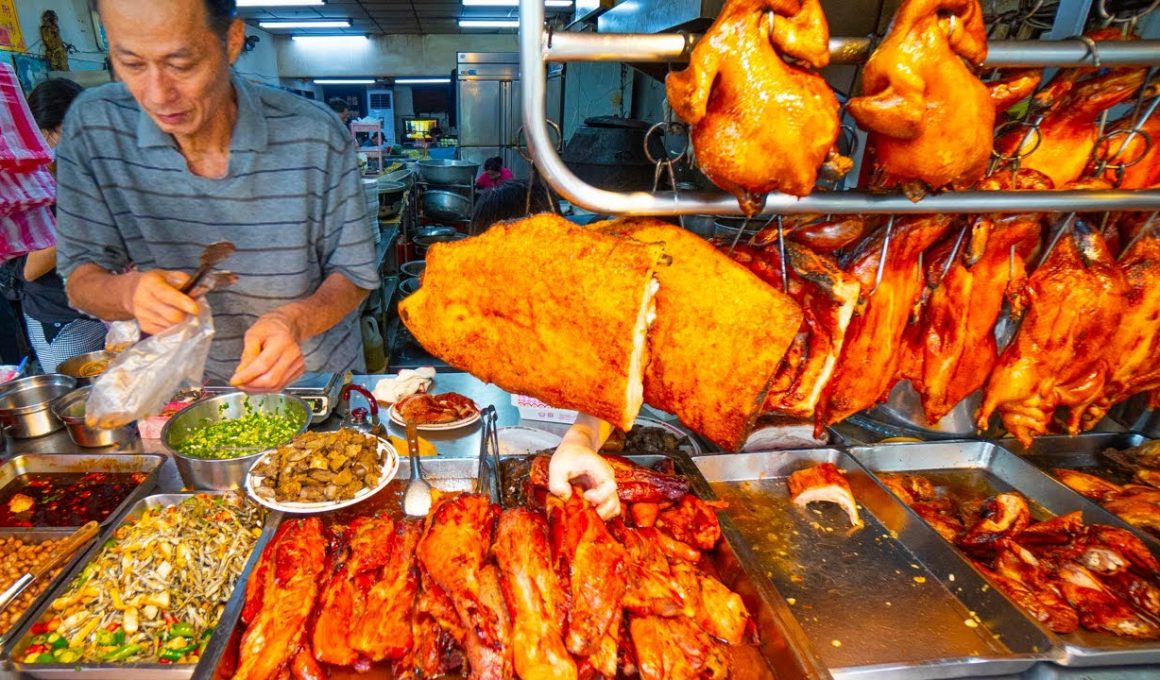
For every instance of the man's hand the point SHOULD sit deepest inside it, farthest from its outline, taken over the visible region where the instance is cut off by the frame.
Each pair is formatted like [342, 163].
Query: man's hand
[155, 301]
[577, 463]
[271, 357]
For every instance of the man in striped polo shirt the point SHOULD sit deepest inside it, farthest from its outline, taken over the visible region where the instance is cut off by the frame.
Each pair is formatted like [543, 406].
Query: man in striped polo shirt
[182, 153]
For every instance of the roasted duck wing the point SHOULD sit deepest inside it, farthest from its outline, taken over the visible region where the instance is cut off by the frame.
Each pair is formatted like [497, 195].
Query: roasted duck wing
[827, 296]
[384, 629]
[823, 483]
[1059, 355]
[634, 484]
[1141, 159]
[958, 339]
[453, 551]
[1098, 608]
[691, 521]
[1084, 484]
[723, 95]
[289, 588]
[1134, 350]
[533, 595]
[594, 566]
[928, 115]
[1068, 131]
[872, 352]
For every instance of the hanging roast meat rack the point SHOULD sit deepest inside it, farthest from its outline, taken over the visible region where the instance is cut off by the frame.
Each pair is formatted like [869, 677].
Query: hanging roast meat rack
[539, 46]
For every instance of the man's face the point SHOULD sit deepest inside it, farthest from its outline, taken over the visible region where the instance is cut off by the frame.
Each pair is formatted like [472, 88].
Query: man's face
[174, 64]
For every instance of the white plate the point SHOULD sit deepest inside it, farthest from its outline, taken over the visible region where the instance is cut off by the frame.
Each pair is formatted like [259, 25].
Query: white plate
[433, 427]
[389, 470]
[520, 441]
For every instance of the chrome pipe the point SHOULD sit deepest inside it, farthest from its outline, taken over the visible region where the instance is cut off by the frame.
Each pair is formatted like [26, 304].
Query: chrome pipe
[639, 48]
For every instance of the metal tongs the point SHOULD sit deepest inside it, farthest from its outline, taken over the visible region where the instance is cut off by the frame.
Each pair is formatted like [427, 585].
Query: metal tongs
[63, 551]
[489, 448]
[213, 255]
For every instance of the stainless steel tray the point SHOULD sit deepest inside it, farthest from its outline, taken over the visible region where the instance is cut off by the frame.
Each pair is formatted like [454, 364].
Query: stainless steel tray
[783, 653]
[39, 536]
[993, 469]
[444, 474]
[890, 600]
[61, 463]
[113, 671]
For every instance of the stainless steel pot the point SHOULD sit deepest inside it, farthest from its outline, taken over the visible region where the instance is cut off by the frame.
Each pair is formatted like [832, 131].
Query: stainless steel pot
[76, 367]
[26, 404]
[70, 409]
[414, 268]
[446, 172]
[446, 205]
[390, 198]
[224, 474]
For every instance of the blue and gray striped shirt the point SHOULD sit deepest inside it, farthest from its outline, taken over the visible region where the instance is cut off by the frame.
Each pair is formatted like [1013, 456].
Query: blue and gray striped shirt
[291, 202]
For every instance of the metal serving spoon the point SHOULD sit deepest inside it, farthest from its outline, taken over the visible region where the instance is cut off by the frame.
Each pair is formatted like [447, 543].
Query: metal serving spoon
[212, 256]
[63, 551]
[417, 501]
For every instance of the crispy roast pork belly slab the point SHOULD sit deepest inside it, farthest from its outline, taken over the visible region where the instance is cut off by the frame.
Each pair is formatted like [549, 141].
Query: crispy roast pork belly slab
[719, 335]
[545, 308]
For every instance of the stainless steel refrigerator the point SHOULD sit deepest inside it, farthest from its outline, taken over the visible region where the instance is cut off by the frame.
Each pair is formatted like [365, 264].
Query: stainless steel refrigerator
[490, 111]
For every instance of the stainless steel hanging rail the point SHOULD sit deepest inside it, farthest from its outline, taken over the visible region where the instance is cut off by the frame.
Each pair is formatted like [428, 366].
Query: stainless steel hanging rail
[649, 48]
[538, 47]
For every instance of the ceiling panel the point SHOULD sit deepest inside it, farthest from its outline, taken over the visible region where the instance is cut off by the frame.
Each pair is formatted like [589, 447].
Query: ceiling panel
[385, 16]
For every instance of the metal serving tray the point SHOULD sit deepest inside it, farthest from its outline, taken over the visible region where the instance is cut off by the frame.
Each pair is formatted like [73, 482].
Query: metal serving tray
[60, 463]
[444, 474]
[992, 469]
[114, 671]
[889, 600]
[40, 536]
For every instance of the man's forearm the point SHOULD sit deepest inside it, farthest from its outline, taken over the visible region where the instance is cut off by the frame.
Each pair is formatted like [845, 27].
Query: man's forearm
[39, 262]
[97, 292]
[332, 302]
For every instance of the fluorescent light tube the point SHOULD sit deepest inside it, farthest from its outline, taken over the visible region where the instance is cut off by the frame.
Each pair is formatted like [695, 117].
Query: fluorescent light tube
[344, 81]
[513, 3]
[422, 81]
[343, 23]
[280, 3]
[489, 23]
[331, 40]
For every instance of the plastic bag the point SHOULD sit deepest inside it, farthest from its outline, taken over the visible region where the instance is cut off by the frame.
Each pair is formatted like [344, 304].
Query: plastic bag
[140, 381]
[121, 336]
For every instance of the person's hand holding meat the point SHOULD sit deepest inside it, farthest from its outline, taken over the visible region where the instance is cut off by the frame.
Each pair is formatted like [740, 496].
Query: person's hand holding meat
[156, 302]
[576, 461]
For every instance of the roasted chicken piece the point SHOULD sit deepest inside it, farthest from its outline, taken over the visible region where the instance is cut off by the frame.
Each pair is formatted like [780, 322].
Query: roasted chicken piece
[691, 521]
[650, 588]
[827, 296]
[1134, 349]
[534, 596]
[594, 568]
[1061, 619]
[1046, 604]
[1013, 86]
[339, 607]
[1059, 355]
[384, 629]
[1069, 131]
[872, 352]
[909, 488]
[1084, 484]
[1140, 159]
[490, 661]
[823, 483]
[453, 552]
[1138, 510]
[1099, 609]
[1133, 549]
[724, 96]
[289, 587]
[634, 483]
[669, 649]
[958, 346]
[371, 538]
[928, 115]
[699, 376]
[820, 236]
[1001, 516]
[943, 522]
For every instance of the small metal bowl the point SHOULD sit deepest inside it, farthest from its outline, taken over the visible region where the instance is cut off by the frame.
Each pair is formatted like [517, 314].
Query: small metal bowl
[70, 409]
[413, 269]
[230, 473]
[25, 404]
[80, 366]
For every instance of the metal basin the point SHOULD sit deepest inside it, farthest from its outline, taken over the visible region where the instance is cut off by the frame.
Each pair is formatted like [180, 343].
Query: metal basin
[84, 367]
[446, 205]
[414, 268]
[390, 198]
[25, 404]
[207, 473]
[446, 172]
[70, 409]
[404, 176]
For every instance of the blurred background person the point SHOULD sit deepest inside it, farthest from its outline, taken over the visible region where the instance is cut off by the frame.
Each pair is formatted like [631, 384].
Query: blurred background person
[339, 107]
[493, 174]
[56, 331]
[508, 201]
